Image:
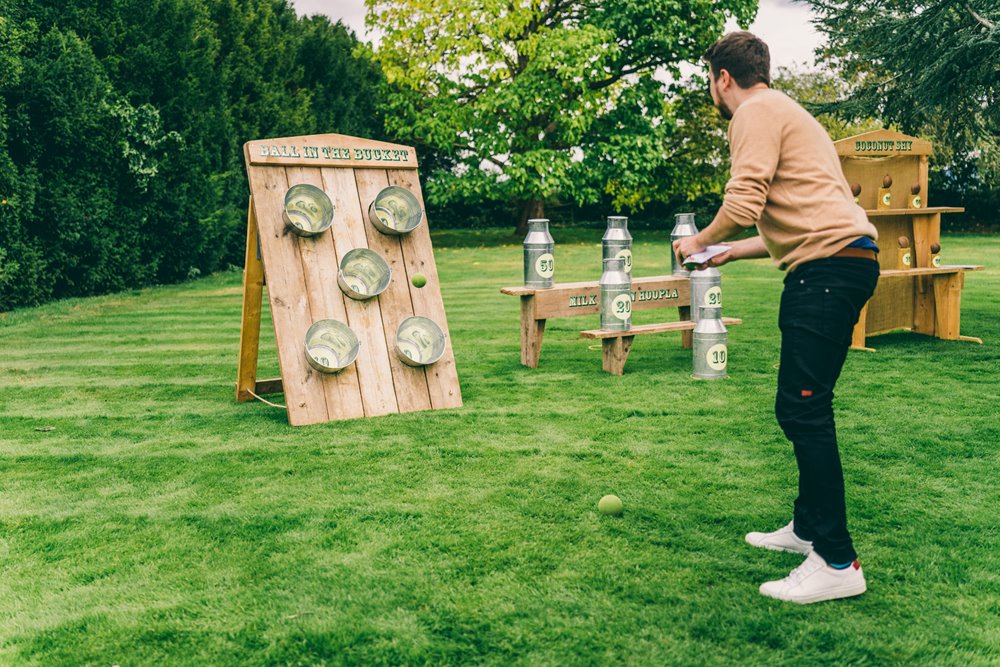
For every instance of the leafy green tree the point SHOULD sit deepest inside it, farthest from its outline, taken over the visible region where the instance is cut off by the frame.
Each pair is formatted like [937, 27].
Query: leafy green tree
[817, 90]
[552, 100]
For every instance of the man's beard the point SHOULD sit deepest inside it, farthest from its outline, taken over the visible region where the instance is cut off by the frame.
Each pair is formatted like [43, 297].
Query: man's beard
[724, 111]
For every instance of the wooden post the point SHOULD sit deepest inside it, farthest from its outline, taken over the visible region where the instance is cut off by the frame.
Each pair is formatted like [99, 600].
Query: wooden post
[687, 336]
[253, 295]
[858, 336]
[947, 298]
[531, 332]
[615, 352]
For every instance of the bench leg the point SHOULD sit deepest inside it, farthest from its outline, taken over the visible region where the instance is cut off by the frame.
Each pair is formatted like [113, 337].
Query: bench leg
[684, 313]
[615, 353]
[531, 333]
[947, 306]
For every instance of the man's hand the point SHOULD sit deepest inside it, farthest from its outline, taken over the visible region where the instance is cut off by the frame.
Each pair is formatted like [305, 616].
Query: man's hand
[686, 246]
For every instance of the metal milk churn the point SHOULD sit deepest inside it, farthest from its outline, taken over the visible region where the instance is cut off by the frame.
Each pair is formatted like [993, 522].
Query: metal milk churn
[616, 296]
[683, 226]
[706, 290]
[710, 353]
[617, 242]
[539, 261]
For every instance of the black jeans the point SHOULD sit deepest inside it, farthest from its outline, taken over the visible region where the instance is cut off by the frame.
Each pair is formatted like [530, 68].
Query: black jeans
[819, 308]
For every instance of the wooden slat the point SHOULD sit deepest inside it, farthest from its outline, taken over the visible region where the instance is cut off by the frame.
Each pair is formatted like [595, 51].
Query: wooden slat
[882, 142]
[253, 296]
[410, 382]
[290, 311]
[532, 331]
[886, 212]
[565, 300]
[659, 327]
[418, 255]
[319, 269]
[330, 150]
[364, 317]
[930, 271]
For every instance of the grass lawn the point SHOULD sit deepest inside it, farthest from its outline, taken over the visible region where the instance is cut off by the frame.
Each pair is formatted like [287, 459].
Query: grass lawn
[162, 523]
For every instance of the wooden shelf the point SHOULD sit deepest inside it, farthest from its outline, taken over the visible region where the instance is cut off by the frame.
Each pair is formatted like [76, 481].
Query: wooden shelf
[637, 283]
[930, 210]
[660, 327]
[929, 271]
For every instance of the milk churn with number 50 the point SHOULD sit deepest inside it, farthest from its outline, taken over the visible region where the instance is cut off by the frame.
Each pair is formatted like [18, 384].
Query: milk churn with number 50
[539, 260]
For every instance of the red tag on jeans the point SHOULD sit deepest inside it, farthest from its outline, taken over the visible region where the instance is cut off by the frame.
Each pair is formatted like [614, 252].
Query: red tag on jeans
[807, 392]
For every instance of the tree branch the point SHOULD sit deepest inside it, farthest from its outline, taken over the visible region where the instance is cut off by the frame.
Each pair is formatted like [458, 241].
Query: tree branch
[986, 22]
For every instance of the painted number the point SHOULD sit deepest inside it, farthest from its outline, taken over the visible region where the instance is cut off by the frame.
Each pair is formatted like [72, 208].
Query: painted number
[716, 357]
[713, 297]
[545, 265]
[627, 256]
[621, 307]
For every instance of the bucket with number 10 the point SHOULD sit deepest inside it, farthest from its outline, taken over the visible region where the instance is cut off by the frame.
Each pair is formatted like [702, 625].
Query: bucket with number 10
[616, 296]
[617, 242]
[709, 345]
[539, 260]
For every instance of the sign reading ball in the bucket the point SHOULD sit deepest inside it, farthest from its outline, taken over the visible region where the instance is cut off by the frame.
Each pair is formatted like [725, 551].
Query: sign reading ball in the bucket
[331, 346]
[363, 274]
[395, 211]
[308, 210]
[419, 341]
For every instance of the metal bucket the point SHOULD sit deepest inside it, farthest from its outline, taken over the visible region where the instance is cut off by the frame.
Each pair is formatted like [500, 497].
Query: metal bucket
[331, 346]
[419, 341]
[616, 296]
[683, 226]
[308, 210]
[710, 353]
[539, 257]
[706, 290]
[395, 211]
[363, 274]
[617, 242]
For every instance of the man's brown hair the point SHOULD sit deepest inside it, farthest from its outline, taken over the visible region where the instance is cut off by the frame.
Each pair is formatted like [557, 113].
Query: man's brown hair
[744, 55]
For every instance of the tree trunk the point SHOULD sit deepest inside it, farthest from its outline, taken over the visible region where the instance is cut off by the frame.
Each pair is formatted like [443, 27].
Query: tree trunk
[532, 208]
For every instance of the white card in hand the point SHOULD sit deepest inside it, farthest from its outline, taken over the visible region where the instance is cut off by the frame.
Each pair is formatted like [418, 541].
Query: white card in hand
[708, 253]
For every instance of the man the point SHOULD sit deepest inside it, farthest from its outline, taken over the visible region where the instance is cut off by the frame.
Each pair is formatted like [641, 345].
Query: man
[787, 181]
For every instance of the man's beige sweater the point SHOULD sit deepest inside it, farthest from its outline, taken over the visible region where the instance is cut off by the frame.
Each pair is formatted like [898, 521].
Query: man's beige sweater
[786, 179]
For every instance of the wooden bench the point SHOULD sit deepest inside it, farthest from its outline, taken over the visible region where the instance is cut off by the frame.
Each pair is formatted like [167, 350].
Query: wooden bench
[584, 298]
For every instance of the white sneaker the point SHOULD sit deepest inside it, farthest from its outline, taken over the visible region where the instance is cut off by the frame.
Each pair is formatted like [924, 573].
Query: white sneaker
[815, 581]
[783, 539]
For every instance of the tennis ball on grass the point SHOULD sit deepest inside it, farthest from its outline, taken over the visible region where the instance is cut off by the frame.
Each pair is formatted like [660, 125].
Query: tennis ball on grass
[419, 280]
[611, 505]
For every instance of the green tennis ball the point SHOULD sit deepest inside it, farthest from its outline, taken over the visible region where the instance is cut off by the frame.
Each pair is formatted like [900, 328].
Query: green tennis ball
[611, 505]
[419, 280]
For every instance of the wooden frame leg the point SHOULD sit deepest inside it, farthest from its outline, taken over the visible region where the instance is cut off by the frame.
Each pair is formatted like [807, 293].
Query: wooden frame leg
[615, 353]
[531, 333]
[687, 337]
[947, 306]
[859, 334]
[253, 295]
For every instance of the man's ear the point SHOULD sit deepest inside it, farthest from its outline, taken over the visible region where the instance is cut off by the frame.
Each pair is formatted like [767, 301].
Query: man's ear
[724, 79]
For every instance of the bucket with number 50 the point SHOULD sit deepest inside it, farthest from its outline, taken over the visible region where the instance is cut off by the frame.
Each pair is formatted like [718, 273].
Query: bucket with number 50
[539, 260]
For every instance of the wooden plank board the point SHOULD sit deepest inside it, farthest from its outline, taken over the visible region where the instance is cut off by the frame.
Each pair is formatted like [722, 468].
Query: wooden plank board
[584, 298]
[364, 317]
[330, 150]
[948, 306]
[659, 327]
[418, 257]
[326, 301]
[410, 382]
[290, 311]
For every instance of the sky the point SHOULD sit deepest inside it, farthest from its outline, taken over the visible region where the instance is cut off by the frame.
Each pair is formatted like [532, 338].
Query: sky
[783, 24]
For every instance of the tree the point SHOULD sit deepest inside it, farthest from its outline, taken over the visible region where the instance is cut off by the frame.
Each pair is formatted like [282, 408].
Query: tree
[930, 68]
[818, 90]
[546, 100]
